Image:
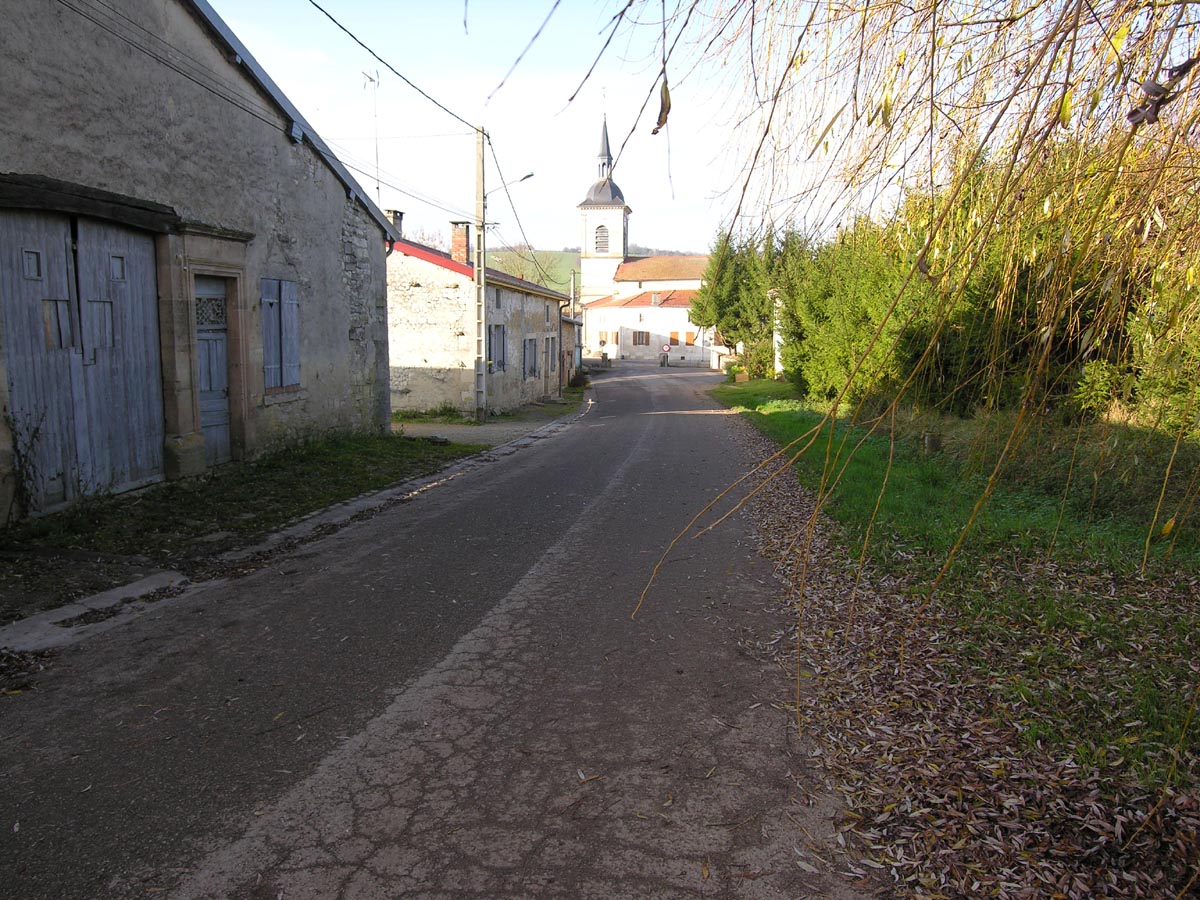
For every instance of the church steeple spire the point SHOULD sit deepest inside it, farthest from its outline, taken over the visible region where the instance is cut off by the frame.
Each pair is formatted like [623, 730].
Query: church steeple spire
[606, 160]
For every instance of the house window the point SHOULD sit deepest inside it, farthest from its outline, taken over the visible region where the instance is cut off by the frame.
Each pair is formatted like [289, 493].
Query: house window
[641, 339]
[530, 361]
[497, 348]
[281, 334]
[603, 338]
[551, 354]
[547, 313]
[496, 294]
[601, 238]
[674, 338]
[690, 338]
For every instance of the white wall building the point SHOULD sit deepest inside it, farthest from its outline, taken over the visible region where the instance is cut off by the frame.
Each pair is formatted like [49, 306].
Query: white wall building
[431, 332]
[635, 308]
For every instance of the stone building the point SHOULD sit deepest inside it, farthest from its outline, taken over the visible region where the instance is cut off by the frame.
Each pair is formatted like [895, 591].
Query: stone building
[432, 326]
[187, 273]
[635, 308]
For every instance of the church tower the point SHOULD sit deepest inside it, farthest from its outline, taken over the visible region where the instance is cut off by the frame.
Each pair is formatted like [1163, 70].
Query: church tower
[605, 220]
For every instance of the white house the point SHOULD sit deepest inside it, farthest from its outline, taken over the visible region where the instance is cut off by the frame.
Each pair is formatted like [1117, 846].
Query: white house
[635, 308]
[431, 332]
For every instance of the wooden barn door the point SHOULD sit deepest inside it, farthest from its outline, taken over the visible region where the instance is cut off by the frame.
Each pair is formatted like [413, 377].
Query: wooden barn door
[81, 342]
[37, 300]
[212, 348]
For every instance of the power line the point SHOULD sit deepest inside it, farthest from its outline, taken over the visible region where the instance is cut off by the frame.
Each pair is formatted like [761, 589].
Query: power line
[218, 89]
[513, 207]
[458, 213]
[510, 248]
[212, 82]
[390, 67]
[359, 164]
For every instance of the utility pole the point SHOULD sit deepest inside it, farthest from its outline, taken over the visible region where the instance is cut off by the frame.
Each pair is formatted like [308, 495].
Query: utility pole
[480, 281]
[375, 93]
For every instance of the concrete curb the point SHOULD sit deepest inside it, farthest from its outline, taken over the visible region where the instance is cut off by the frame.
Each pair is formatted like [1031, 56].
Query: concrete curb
[46, 630]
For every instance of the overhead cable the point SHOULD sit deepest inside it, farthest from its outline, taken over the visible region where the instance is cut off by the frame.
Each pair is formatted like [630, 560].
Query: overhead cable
[390, 67]
[513, 207]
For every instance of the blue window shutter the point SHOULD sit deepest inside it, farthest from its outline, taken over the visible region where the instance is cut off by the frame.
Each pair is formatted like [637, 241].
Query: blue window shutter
[290, 331]
[272, 361]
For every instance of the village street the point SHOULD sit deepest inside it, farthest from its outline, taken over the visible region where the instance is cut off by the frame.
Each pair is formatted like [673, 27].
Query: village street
[449, 699]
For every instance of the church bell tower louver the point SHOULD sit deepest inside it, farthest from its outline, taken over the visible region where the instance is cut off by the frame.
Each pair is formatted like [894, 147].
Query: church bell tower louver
[604, 242]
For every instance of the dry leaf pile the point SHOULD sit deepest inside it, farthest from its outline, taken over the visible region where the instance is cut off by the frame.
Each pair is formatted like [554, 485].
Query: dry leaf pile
[19, 669]
[942, 787]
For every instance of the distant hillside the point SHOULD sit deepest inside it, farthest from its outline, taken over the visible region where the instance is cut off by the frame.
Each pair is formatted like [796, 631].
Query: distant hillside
[639, 250]
[553, 268]
[549, 268]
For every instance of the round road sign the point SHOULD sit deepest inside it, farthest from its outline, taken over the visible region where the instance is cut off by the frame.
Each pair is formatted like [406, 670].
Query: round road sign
[666, 348]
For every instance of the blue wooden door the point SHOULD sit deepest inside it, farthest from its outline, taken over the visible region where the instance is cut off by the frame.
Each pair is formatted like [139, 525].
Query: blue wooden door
[212, 348]
[79, 311]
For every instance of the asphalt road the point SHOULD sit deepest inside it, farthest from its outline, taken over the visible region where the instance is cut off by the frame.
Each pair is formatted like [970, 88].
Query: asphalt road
[449, 699]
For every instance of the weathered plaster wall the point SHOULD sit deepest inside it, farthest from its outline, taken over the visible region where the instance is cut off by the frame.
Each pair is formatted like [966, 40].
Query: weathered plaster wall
[187, 129]
[660, 322]
[431, 335]
[431, 339]
[632, 288]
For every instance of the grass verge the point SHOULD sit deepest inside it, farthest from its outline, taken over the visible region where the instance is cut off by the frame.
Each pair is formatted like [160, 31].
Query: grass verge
[102, 541]
[1089, 655]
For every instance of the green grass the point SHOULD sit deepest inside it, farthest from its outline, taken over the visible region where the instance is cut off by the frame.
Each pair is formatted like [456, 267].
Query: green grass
[1084, 653]
[244, 500]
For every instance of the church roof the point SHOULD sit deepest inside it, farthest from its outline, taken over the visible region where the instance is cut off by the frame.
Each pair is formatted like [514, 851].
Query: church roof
[670, 299]
[604, 193]
[662, 268]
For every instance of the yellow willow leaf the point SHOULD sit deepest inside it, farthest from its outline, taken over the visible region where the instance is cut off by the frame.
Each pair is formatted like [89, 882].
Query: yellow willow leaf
[1168, 527]
[1118, 42]
[824, 134]
[886, 108]
[1064, 110]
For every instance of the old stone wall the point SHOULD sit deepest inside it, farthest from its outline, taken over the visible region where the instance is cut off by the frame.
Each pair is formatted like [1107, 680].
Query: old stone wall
[431, 340]
[431, 329]
[177, 121]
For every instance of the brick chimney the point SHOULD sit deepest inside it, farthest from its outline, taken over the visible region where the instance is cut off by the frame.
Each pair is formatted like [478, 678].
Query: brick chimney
[397, 217]
[460, 242]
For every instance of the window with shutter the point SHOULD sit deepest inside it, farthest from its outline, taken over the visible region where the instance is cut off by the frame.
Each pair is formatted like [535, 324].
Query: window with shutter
[531, 357]
[272, 357]
[497, 348]
[601, 238]
[281, 334]
[290, 332]
[674, 338]
[691, 338]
